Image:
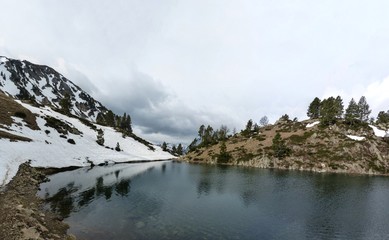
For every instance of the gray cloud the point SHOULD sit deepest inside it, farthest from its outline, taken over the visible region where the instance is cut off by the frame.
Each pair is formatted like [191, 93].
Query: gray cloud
[156, 110]
[199, 62]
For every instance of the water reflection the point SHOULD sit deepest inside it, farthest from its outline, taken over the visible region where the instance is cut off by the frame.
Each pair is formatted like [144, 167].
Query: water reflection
[183, 201]
[73, 197]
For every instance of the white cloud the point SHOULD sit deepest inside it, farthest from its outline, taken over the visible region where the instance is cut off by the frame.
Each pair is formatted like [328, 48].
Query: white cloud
[377, 95]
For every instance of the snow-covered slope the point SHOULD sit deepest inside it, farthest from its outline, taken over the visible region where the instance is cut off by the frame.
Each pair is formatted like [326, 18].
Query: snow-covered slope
[25, 80]
[49, 149]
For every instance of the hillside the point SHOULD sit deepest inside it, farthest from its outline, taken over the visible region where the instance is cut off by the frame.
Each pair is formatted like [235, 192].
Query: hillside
[33, 128]
[312, 147]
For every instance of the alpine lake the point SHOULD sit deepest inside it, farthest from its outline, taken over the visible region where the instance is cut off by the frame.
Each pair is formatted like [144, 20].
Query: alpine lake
[173, 200]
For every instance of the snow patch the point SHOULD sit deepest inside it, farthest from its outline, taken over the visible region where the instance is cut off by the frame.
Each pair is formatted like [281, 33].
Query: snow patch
[378, 132]
[50, 150]
[356, 138]
[312, 124]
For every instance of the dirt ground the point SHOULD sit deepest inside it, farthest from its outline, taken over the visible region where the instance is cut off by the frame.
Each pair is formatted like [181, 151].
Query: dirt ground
[21, 212]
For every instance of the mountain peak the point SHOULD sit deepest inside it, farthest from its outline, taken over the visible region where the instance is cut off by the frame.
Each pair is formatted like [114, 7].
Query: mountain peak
[25, 80]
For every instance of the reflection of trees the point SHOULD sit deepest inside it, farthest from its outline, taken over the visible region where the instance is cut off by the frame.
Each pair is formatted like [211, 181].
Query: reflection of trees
[62, 202]
[248, 197]
[123, 187]
[67, 199]
[204, 186]
[86, 197]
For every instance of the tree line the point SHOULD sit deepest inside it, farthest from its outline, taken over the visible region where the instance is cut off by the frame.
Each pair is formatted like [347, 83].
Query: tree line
[331, 109]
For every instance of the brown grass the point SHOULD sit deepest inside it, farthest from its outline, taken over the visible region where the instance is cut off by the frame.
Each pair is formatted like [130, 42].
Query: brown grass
[13, 137]
[9, 107]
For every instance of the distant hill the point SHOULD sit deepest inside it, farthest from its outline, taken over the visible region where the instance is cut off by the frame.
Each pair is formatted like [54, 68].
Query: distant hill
[304, 145]
[34, 126]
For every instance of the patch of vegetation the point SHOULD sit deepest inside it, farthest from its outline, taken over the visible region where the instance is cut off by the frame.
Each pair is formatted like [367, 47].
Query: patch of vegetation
[141, 140]
[20, 115]
[300, 139]
[279, 147]
[223, 156]
[61, 126]
[261, 138]
[13, 138]
[71, 141]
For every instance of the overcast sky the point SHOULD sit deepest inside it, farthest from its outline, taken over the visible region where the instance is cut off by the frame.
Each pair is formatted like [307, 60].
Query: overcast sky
[174, 65]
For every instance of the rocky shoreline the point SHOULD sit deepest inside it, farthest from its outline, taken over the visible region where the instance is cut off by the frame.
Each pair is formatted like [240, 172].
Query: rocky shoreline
[22, 214]
[273, 163]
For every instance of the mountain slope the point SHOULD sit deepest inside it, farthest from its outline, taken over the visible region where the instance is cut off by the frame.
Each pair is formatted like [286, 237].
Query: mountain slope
[307, 146]
[31, 129]
[24, 80]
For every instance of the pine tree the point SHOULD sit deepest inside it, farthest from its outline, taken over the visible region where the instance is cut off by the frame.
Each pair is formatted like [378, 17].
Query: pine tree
[66, 104]
[164, 146]
[328, 111]
[314, 109]
[279, 147]
[174, 149]
[129, 123]
[179, 149]
[110, 118]
[363, 109]
[208, 136]
[249, 126]
[339, 107]
[352, 113]
[117, 148]
[223, 156]
[201, 131]
[383, 119]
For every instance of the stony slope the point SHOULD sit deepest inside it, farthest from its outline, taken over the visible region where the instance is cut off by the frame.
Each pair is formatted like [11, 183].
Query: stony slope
[322, 149]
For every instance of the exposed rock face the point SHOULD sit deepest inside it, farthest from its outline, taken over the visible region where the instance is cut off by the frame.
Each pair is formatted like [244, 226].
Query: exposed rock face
[25, 80]
[319, 149]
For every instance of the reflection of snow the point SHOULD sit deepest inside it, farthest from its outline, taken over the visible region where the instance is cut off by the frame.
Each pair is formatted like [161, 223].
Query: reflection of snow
[356, 138]
[84, 178]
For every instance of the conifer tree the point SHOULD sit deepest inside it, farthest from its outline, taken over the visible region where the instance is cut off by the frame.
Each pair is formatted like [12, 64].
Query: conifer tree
[314, 109]
[110, 118]
[179, 150]
[339, 107]
[164, 146]
[328, 111]
[174, 149]
[117, 148]
[66, 104]
[363, 109]
[249, 126]
[383, 119]
[352, 112]
[201, 131]
[223, 156]
[279, 147]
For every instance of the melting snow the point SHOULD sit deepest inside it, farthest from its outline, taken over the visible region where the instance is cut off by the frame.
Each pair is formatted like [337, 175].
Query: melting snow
[356, 138]
[312, 124]
[378, 132]
[50, 150]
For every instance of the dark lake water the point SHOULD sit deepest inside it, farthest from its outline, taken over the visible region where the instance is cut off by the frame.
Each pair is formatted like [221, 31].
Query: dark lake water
[167, 200]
